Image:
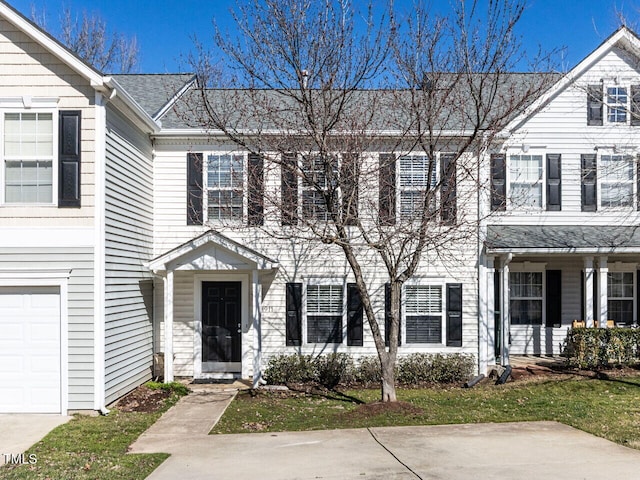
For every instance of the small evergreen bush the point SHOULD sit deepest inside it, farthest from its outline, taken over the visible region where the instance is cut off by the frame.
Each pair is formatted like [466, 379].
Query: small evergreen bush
[333, 369]
[420, 368]
[283, 369]
[594, 348]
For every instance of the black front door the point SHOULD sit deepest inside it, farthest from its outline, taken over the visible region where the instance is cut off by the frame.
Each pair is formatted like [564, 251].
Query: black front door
[221, 322]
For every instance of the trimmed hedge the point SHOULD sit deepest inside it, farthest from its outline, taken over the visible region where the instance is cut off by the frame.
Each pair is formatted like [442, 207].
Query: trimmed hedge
[594, 348]
[339, 368]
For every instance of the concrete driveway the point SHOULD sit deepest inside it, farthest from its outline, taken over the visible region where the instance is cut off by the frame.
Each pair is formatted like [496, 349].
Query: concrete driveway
[18, 431]
[514, 451]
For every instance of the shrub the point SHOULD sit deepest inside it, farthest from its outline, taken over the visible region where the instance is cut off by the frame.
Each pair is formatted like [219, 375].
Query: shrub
[421, 368]
[593, 348]
[283, 369]
[333, 369]
[367, 371]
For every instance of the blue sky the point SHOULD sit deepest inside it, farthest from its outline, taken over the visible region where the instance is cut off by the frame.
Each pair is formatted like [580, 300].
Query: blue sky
[164, 28]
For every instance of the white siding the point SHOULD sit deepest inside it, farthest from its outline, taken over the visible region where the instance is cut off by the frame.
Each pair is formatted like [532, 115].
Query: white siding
[128, 243]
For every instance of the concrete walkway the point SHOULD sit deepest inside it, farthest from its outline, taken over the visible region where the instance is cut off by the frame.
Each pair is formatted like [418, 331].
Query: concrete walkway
[515, 451]
[18, 431]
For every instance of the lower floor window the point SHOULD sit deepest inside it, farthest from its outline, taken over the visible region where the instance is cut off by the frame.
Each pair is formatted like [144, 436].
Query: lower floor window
[620, 297]
[423, 319]
[324, 313]
[525, 293]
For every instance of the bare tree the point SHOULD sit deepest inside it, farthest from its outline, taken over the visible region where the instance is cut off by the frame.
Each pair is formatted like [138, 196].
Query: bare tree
[317, 88]
[89, 37]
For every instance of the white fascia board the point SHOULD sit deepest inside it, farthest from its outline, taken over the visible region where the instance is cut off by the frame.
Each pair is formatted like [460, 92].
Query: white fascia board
[120, 94]
[564, 251]
[623, 34]
[55, 47]
[172, 101]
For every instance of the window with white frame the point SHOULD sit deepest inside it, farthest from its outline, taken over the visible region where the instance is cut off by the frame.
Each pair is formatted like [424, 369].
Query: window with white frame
[617, 99]
[620, 289]
[616, 180]
[28, 157]
[525, 177]
[525, 295]
[225, 187]
[320, 176]
[324, 312]
[423, 313]
[418, 176]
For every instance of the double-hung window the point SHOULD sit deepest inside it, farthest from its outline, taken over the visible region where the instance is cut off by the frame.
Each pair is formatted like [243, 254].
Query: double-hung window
[28, 158]
[423, 313]
[620, 290]
[617, 99]
[225, 187]
[418, 175]
[525, 177]
[616, 180]
[319, 187]
[324, 312]
[526, 296]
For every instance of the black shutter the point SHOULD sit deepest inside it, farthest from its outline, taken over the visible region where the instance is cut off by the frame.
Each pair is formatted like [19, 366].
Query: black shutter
[194, 189]
[387, 316]
[255, 190]
[554, 298]
[448, 188]
[554, 182]
[588, 179]
[354, 316]
[349, 179]
[637, 296]
[582, 282]
[498, 181]
[69, 148]
[387, 189]
[294, 315]
[594, 105]
[638, 184]
[289, 210]
[454, 314]
[635, 105]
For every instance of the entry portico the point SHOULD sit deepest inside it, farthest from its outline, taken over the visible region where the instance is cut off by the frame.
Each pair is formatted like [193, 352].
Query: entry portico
[213, 287]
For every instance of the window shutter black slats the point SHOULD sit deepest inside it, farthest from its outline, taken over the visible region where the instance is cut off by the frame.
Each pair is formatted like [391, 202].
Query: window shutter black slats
[635, 105]
[554, 182]
[387, 189]
[354, 316]
[594, 105]
[554, 299]
[454, 314]
[194, 189]
[69, 148]
[638, 185]
[498, 181]
[387, 316]
[637, 296]
[255, 190]
[349, 178]
[294, 314]
[448, 188]
[588, 180]
[289, 210]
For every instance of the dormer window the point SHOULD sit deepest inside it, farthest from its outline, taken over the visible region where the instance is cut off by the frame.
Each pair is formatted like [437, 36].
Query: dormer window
[617, 99]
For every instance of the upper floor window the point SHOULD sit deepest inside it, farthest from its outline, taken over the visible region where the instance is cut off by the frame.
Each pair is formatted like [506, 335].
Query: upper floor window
[225, 187]
[617, 104]
[318, 187]
[417, 178]
[28, 157]
[525, 177]
[616, 181]
[622, 105]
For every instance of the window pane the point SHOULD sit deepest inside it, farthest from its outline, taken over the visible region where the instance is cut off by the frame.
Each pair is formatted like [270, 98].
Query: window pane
[324, 299]
[28, 181]
[324, 329]
[424, 329]
[423, 299]
[525, 291]
[526, 180]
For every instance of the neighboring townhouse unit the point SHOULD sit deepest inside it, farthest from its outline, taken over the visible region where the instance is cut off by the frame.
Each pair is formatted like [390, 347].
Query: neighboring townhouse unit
[126, 230]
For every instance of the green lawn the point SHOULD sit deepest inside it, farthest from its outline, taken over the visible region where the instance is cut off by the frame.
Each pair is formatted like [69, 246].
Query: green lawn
[607, 408]
[92, 448]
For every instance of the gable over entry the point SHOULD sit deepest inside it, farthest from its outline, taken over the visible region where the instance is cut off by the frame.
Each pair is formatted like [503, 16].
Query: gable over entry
[228, 284]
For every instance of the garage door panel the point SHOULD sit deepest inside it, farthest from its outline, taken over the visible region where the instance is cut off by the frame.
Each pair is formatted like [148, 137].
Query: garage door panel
[30, 350]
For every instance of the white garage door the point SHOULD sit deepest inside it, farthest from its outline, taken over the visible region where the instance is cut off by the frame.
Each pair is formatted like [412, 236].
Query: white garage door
[30, 379]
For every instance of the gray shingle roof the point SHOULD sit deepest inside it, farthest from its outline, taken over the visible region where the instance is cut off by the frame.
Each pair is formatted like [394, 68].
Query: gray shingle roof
[152, 91]
[506, 237]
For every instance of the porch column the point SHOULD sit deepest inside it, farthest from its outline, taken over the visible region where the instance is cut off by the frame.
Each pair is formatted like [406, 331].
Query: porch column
[505, 314]
[603, 271]
[168, 327]
[257, 329]
[588, 300]
[487, 316]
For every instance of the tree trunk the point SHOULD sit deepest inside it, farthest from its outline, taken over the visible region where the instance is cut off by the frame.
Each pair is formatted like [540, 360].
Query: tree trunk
[388, 378]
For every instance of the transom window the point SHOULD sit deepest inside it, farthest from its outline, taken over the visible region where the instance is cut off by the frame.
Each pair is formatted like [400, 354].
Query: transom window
[324, 313]
[28, 158]
[617, 104]
[225, 187]
[620, 297]
[418, 176]
[525, 173]
[423, 313]
[525, 293]
[616, 184]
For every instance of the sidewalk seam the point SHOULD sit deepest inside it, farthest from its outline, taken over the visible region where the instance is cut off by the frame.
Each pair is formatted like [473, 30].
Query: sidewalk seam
[373, 435]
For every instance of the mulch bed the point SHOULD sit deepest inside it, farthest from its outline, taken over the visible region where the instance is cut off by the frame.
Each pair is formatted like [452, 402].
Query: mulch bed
[143, 399]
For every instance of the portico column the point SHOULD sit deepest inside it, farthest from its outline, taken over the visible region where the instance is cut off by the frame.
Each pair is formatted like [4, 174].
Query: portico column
[505, 313]
[168, 327]
[257, 329]
[603, 273]
[487, 321]
[588, 291]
